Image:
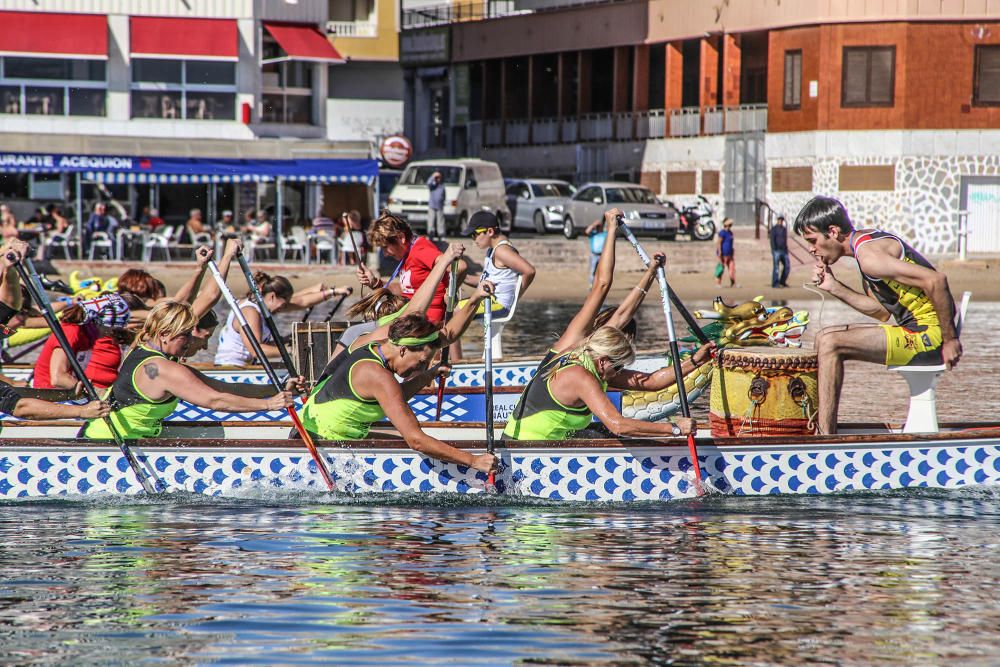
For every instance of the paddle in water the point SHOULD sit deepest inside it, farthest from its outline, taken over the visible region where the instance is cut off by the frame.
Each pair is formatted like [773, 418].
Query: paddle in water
[449, 309]
[259, 352]
[488, 381]
[32, 283]
[675, 355]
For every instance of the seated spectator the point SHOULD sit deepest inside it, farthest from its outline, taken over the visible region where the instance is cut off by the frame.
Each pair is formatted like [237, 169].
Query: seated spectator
[99, 221]
[323, 225]
[59, 223]
[225, 223]
[154, 221]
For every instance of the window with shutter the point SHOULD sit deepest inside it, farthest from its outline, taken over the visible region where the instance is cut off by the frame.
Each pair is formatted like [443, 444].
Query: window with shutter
[793, 79]
[986, 86]
[868, 77]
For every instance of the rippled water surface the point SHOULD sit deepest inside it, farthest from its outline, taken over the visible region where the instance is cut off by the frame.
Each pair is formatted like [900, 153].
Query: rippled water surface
[902, 578]
[906, 578]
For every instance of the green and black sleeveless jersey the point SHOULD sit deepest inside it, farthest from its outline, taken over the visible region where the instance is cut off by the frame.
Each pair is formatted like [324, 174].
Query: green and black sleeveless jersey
[538, 415]
[134, 414]
[334, 411]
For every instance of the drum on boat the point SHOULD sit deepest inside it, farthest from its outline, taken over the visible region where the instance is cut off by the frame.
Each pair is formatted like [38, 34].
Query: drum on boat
[764, 391]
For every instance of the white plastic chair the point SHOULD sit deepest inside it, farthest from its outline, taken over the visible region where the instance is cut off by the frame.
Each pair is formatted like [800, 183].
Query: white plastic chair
[324, 243]
[257, 244]
[158, 241]
[294, 243]
[922, 381]
[101, 240]
[61, 241]
[499, 322]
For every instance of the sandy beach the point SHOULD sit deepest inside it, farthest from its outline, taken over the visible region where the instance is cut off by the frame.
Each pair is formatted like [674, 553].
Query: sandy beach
[572, 284]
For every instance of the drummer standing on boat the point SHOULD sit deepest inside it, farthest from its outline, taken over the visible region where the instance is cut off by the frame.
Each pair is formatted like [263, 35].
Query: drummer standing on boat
[898, 283]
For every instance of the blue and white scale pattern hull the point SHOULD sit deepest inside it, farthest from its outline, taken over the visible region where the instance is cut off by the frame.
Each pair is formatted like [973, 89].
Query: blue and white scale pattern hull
[599, 474]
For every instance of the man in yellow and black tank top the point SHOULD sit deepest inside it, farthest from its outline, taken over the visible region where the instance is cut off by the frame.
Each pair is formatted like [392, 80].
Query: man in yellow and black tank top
[898, 282]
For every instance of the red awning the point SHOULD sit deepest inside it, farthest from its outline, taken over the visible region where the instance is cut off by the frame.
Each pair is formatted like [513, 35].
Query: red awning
[48, 34]
[303, 41]
[160, 37]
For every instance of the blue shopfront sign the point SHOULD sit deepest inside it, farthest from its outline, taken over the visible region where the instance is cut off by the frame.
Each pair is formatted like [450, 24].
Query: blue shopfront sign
[137, 169]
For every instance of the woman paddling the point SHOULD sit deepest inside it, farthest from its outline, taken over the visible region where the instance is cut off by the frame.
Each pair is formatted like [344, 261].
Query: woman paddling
[361, 389]
[278, 294]
[151, 382]
[572, 390]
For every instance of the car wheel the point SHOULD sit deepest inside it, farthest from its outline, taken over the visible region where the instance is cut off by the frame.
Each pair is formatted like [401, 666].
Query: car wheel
[539, 220]
[569, 229]
[505, 228]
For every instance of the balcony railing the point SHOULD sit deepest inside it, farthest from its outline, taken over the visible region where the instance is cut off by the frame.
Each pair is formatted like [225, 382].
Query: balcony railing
[352, 28]
[628, 126]
[477, 10]
[746, 118]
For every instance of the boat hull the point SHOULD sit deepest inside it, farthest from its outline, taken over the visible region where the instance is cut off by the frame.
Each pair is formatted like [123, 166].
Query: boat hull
[592, 471]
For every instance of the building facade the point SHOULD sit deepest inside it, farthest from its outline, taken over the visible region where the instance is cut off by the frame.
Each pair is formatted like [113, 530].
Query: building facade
[214, 79]
[365, 94]
[892, 106]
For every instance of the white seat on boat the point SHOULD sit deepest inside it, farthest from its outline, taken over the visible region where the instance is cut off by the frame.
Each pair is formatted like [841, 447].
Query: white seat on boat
[922, 381]
[499, 322]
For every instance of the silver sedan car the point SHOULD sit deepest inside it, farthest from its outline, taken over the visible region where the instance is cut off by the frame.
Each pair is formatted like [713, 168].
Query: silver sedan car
[538, 204]
[643, 213]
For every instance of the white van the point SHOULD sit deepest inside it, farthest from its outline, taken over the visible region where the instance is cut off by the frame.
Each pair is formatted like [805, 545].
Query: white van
[470, 186]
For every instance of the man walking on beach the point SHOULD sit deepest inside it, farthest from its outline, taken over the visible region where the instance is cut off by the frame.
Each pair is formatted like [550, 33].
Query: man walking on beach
[898, 283]
[779, 252]
[435, 207]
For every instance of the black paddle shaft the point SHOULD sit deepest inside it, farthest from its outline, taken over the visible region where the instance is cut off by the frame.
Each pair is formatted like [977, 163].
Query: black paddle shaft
[269, 320]
[57, 331]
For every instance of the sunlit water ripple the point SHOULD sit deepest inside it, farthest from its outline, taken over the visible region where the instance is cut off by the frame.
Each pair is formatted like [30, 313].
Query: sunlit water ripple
[274, 578]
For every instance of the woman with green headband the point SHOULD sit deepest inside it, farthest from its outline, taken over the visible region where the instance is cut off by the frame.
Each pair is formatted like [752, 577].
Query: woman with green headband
[360, 388]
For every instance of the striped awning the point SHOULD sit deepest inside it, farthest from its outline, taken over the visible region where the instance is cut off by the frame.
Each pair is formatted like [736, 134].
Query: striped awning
[133, 169]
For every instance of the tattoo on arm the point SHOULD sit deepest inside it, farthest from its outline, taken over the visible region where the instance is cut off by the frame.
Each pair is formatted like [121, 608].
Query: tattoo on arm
[151, 370]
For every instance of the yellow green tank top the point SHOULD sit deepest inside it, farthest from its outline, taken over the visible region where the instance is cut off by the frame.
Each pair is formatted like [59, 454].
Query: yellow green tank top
[909, 306]
[334, 411]
[539, 416]
[134, 414]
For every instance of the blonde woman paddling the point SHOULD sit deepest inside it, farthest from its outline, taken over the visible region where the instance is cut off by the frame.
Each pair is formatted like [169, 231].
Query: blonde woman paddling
[572, 390]
[151, 381]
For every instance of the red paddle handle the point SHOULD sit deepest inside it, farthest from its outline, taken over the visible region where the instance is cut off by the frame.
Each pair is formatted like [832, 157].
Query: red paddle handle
[311, 446]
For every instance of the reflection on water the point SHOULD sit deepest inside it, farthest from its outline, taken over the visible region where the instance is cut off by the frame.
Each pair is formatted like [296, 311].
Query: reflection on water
[898, 578]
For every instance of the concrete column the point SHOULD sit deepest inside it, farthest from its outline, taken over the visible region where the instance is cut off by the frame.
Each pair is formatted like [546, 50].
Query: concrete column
[674, 72]
[731, 69]
[708, 75]
[619, 85]
[531, 95]
[503, 101]
[640, 78]
[119, 81]
[583, 74]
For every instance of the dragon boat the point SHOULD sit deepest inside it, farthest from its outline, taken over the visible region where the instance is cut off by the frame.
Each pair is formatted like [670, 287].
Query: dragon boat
[861, 458]
[747, 324]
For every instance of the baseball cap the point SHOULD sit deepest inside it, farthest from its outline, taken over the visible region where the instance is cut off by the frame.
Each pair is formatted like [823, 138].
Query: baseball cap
[107, 309]
[481, 220]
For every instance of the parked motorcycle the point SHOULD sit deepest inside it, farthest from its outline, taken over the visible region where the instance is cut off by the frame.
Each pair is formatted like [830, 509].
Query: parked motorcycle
[696, 220]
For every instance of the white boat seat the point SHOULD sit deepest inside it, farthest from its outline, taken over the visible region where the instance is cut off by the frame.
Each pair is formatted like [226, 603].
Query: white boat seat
[922, 381]
[499, 322]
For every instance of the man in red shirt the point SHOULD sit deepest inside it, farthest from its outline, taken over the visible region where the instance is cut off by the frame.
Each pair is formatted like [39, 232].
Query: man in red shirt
[417, 256]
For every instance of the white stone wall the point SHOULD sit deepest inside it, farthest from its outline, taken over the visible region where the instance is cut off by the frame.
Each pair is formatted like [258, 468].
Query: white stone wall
[688, 154]
[929, 167]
